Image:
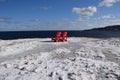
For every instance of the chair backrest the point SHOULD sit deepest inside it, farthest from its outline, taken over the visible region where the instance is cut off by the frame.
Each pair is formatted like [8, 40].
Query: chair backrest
[58, 34]
[64, 34]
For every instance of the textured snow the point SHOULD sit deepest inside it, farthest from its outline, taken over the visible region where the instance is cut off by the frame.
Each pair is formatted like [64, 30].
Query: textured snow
[77, 59]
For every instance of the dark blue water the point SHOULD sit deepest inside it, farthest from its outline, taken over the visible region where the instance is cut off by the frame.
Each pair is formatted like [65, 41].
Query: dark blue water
[48, 34]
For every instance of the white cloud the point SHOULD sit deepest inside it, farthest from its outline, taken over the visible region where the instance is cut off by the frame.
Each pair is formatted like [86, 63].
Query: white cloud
[107, 17]
[115, 22]
[108, 3]
[106, 22]
[41, 8]
[84, 12]
[44, 8]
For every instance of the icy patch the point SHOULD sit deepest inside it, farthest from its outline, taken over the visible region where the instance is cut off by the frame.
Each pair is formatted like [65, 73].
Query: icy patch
[17, 47]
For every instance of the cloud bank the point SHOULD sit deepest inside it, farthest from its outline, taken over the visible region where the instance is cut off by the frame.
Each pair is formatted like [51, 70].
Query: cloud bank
[108, 3]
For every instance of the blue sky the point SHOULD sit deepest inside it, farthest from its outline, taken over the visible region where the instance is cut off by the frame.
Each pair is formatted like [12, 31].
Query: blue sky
[19, 15]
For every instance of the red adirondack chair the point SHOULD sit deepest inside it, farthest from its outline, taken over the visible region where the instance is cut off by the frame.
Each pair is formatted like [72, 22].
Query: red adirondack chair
[64, 37]
[57, 37]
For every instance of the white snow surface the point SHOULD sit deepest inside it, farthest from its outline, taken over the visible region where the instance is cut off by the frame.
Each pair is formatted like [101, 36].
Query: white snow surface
[77, 59]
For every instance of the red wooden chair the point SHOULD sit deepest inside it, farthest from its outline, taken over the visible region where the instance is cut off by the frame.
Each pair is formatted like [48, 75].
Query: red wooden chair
[64, 37]
[57, 37]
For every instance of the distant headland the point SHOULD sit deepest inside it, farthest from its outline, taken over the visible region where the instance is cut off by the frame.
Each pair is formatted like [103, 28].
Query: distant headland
[111, 28]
